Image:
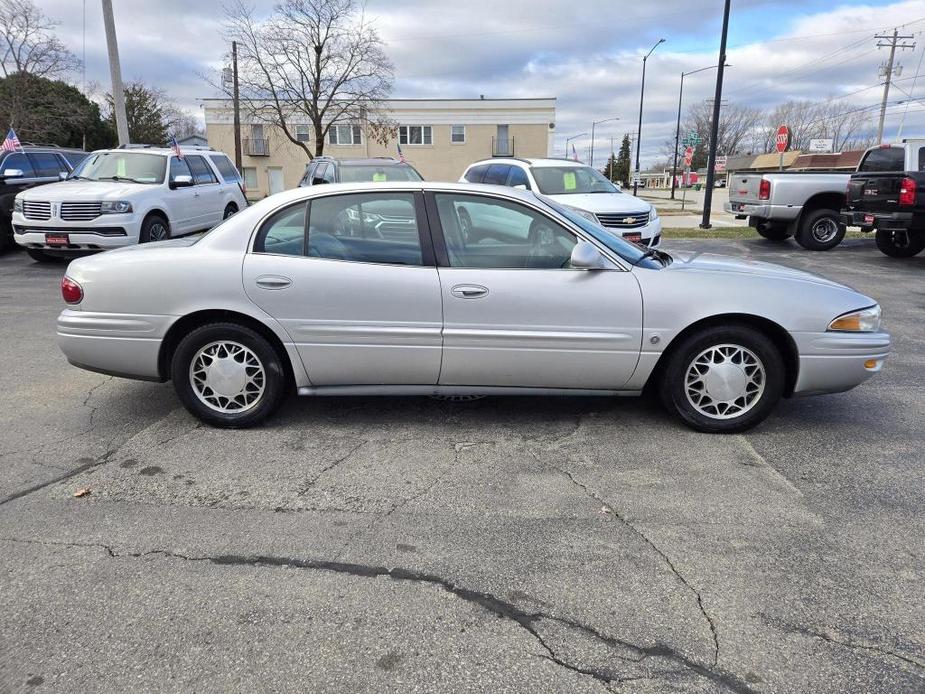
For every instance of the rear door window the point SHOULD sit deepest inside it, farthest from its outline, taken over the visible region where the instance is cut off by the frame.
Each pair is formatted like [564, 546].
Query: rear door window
[46, 164]
[497, 174]
[202, 172]
[884, 159]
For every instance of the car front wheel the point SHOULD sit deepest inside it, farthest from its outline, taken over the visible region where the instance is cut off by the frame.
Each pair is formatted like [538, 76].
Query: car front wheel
[723, 379]
[228, 375]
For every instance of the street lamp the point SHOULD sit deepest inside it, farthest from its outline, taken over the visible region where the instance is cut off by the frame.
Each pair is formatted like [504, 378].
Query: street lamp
[569, 139]
[606, 120]
[642, 94]
[677, 134]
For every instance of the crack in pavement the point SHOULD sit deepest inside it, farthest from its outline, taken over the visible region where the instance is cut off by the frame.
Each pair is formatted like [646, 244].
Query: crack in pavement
[330, 466]
[528, 621]
[88, 465]
[590, 493]
[86, 400]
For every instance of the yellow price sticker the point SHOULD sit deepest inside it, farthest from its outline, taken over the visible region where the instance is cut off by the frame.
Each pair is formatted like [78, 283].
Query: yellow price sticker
[120, 168]
[379, 177]
[568, 181]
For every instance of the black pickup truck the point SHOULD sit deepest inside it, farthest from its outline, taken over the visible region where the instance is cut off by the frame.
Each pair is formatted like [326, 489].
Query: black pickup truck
[887, 196]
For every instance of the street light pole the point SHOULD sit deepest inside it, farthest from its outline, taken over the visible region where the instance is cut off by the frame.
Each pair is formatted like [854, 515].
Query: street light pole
[642, 94]
[115, 73]
[597, 122]
[714, 126]
[677, 134]
[569, 139]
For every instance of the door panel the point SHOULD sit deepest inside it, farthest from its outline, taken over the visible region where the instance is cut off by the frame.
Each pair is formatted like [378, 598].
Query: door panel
[540, 328]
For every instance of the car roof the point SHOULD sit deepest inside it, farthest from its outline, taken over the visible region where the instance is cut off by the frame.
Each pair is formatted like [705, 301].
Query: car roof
[26, 147]
[161, 151]
[531, 161]
[371, 161]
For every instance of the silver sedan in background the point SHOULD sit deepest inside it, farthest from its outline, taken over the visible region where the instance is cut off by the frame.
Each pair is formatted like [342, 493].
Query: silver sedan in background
[378, 289]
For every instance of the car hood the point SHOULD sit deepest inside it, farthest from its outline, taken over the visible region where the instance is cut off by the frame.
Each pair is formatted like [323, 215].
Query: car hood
[603, 202]
[721, 264]
[84, 190]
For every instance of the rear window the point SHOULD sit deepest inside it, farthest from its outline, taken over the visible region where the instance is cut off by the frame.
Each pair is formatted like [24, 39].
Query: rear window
[884, 159]
[225, 168]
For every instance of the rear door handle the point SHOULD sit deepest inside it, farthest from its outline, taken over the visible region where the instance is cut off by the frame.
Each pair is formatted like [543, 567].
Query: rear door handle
[273, 282]
[469, 291]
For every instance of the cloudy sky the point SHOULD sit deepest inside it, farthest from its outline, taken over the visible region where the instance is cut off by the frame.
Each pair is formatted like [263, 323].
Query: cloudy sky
[587, 54]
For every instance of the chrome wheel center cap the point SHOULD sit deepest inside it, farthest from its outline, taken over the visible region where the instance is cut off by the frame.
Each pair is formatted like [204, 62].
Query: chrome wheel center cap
[724, 382]
[226, 376]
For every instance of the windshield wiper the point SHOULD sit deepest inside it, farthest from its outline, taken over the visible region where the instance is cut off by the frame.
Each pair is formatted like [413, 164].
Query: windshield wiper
[119, 178]
[79, 178]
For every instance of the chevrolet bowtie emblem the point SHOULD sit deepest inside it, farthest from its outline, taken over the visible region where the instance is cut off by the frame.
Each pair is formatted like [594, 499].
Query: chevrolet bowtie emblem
[629, 220]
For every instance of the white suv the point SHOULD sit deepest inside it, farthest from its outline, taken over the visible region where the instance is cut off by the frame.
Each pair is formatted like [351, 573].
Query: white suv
[119, 197]
[578, 186]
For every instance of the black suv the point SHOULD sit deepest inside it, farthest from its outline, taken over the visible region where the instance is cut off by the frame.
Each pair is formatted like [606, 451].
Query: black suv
[33, 166]
[376, 170]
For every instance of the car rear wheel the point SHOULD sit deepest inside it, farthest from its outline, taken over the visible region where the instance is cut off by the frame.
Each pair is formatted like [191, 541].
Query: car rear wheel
[820, 230]
[228, 375]
[230, 209]
[40, 256]
[900, 243]
[154, 228]
[723, 379]
[773, 231]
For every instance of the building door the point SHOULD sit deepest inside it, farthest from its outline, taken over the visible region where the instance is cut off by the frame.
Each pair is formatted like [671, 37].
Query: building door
[275, 175]
[503, 144]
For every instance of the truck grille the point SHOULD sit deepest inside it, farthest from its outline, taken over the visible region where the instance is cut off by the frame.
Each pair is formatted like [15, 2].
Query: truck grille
[623, 220]
[80, 211]
[34, 209]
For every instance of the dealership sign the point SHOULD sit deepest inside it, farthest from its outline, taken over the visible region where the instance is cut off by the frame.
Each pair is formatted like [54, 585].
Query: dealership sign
[821, 145]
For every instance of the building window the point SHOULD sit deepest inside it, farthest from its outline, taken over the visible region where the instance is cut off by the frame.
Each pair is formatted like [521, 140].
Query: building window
[250, 178]
[302, 133]
[415, 135]
[345, 135]
[458, 134]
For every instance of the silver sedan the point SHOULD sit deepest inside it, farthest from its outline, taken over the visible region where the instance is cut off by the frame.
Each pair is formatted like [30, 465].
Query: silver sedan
[457, 289]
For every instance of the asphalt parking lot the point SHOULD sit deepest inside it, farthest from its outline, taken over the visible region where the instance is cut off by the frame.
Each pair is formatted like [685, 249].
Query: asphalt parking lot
[574, 544]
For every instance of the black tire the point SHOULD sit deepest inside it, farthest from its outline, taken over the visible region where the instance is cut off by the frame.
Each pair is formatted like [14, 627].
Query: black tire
[230, 209]
[274, 381]
[154, 228]
[773, 231]
[820, 230]
[673, 389]
[6, 237]
[40, 256]
[900, 244]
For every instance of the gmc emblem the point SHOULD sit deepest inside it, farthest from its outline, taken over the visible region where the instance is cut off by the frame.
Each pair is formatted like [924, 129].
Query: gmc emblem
[871, 191]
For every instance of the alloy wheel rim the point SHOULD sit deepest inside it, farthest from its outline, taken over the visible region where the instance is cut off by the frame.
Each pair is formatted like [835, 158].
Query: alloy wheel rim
[724, 381]
[825, 230]
[157, 232]
[227, 377]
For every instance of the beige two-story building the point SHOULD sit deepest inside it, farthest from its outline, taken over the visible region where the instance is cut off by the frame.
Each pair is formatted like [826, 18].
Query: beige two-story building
[439, 137]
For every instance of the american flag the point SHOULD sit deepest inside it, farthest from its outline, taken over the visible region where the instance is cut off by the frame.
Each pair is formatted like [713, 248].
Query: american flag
[176, 147]
[574, 153]
[11, 143]
[401, 156]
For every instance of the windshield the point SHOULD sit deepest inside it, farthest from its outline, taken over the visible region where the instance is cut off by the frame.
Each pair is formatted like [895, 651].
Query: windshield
[353, 173]
[630, 252]
[568, 180]
[135, 167]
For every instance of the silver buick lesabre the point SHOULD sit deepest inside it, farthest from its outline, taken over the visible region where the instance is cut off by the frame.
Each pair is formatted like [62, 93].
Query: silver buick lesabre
[379, 289]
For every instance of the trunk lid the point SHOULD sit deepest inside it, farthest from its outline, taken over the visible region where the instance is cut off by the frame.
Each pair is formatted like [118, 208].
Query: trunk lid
[744, 188]
[875, 192]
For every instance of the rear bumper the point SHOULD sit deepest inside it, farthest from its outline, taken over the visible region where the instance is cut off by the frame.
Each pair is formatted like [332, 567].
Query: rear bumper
[783, 213]
[835, 362]
[877, 220]
[113, 343]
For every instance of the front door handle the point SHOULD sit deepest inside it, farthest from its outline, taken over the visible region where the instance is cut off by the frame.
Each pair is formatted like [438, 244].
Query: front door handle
[273, 282]
[469, 291]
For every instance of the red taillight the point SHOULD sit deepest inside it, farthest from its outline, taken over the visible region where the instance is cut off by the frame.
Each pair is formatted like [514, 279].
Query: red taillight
[71, 291]
[764, 190]
[907, 192]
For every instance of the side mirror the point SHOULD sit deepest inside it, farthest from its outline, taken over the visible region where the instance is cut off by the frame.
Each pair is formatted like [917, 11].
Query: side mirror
[521, 186]
[585, 256]
[181, 181]
[318, 181]
[11, 173]
[62, 175]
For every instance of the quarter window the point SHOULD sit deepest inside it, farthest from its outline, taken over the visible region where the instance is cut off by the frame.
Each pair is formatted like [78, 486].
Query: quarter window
[345, 135]
[365, 228]
[415, 135]
[283, 233]
[458, 134]
[202, 172]
[225, 168]
[482, 232]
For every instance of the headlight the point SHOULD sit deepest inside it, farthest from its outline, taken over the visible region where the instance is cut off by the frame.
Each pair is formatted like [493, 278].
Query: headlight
[865, 321]
[115, 207]
[653, 214]
[584, 213]
[17, 205]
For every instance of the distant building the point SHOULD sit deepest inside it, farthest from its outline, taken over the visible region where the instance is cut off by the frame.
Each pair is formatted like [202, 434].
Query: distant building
[439, 137]
[193, 141]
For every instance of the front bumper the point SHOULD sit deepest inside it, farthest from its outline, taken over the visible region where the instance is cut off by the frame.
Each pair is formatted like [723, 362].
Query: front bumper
[833, 362]
[649, 235]
[119, 344]
[105, 232]
[877, 220]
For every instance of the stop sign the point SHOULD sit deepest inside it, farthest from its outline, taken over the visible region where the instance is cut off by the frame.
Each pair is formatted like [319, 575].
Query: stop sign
[783, 139]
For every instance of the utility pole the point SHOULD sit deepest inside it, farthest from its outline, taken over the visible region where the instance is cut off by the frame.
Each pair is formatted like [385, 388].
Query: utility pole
[714, 126]
[237, 106]
[115, 72]
[891, 42]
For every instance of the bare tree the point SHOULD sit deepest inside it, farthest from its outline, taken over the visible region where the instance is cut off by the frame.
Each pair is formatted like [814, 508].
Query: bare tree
[28, 43]
[737, 124]
[845, 125]
[314, 61]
